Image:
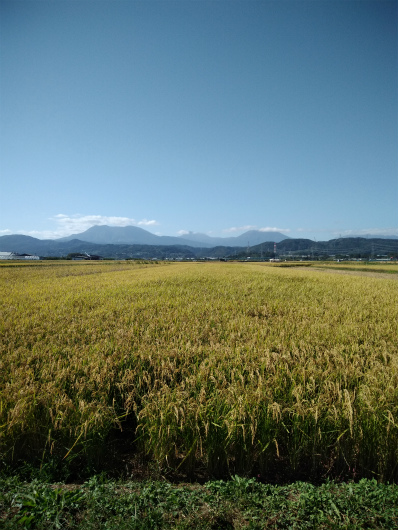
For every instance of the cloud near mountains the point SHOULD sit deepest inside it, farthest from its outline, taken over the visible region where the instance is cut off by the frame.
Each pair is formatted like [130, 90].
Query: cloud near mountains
[254, 227]
[69, 224]
[75, 224]
[373, 232]
[244, 228]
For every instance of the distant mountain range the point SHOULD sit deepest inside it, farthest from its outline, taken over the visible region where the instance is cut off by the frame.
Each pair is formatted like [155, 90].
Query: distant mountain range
[352, 246]
[134, 242]
[133, 235]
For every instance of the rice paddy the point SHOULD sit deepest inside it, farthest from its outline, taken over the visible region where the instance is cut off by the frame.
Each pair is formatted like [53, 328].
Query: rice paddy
[245, 368]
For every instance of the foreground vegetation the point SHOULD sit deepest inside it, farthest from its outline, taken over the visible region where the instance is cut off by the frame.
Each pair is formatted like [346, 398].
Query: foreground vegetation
[237, 504]
[212, 368]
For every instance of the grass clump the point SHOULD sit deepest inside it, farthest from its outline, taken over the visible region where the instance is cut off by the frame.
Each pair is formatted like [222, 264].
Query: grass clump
[239, 503]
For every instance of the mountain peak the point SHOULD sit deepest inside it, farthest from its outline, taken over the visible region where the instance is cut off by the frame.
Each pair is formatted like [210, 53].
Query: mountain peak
[251, 237]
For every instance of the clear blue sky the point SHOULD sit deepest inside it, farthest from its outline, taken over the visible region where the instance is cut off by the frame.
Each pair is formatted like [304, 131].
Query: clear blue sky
[210, 116]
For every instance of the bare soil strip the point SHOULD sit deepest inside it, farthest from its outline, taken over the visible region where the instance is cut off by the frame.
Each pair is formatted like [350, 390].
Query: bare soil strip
[386, 275]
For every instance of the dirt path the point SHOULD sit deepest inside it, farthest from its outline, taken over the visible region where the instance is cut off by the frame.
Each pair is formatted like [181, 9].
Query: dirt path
[370, 274]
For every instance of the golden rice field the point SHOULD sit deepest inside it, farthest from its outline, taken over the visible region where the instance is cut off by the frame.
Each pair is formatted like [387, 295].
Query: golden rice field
[237, 367]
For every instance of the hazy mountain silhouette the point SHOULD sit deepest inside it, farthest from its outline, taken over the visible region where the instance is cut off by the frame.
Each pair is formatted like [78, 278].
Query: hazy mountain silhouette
[133, 235]
[249, 238]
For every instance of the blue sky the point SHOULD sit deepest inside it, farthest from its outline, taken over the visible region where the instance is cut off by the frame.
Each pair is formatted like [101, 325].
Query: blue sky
[210, 116]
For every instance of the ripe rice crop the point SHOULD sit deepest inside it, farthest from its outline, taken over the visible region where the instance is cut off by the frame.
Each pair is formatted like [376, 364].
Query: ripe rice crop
[242, 367]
